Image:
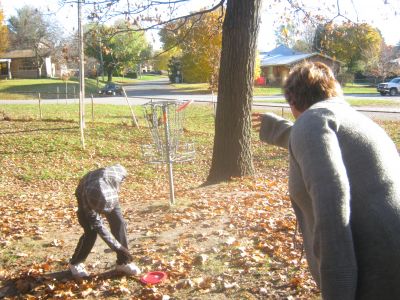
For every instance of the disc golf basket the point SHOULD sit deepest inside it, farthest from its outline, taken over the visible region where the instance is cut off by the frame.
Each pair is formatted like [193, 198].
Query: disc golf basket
[165, 121]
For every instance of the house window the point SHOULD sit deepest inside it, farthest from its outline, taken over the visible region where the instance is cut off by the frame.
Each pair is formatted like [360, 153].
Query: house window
[27, 64]
[3, 69]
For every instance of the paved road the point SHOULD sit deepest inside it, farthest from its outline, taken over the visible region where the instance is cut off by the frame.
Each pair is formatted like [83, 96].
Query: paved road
[145, 91]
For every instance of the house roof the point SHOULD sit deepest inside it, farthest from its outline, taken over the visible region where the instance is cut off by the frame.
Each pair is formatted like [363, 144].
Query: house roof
[281, 50]
[18, 54]
[284, 56]
[284, 60]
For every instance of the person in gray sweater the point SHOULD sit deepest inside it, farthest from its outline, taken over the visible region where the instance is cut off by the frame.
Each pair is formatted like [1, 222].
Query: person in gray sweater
[344, 184]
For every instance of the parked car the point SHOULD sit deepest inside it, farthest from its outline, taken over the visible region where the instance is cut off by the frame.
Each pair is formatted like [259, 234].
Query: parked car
[392, 87]
[111, 88]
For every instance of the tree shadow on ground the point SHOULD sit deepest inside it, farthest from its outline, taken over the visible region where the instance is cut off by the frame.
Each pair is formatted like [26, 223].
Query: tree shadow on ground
[27, 284]
[40, 129]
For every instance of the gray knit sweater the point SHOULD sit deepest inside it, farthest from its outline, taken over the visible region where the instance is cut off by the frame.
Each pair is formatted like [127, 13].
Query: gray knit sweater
[344, 183]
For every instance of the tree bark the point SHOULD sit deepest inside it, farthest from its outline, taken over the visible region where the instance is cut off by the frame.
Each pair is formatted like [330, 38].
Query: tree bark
[232, 154]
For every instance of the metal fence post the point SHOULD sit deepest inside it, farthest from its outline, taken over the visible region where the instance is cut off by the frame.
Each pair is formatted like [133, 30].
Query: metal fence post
[40, 107]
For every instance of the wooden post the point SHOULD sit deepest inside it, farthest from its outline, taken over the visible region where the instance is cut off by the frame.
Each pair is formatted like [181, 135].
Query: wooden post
[134, 120]
[40, 107]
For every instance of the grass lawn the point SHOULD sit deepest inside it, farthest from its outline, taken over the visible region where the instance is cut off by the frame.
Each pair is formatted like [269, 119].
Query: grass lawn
[353, 102]
[203, 88]
[195, 88]
[348, 89]
[145, 77]
[233, 240]
[49, 87]
[354, 88]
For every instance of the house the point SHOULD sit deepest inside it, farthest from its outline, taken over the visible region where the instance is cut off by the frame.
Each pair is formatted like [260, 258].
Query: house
[20, 64]
[5, 68]
[276, 64]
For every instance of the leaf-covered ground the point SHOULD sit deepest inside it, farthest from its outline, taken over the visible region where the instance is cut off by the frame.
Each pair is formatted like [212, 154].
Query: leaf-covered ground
[234, 240]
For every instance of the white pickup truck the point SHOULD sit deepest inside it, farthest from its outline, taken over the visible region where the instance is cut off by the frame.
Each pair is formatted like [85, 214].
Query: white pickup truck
[392, 87]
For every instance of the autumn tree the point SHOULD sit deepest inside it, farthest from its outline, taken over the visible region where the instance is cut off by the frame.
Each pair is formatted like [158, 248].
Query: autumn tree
[286, 35]
[198, 39]
[346, 42]
[381, 64]
[122, 50]
[161, 58]
[30, 29]
[296, 37]
[67, 53]
[3, 33]
[201, 49]
[175, 69]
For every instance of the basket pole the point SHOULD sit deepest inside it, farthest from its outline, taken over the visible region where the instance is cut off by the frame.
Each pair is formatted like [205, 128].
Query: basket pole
[168, 152]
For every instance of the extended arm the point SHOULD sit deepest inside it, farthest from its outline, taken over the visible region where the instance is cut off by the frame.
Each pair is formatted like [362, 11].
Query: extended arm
[97, 223]
[275, 130]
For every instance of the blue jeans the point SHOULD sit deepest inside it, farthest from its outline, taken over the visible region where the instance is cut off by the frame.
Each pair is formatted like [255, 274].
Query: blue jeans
[87, 240]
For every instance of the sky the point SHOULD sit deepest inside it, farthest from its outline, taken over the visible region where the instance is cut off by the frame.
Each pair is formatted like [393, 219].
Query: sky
[386, 17]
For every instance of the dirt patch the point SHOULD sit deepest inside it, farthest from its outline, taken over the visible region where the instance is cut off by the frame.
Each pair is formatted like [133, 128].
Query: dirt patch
[229, 241]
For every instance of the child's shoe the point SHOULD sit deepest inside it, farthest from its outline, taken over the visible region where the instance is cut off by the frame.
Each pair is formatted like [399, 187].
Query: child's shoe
[128, 269]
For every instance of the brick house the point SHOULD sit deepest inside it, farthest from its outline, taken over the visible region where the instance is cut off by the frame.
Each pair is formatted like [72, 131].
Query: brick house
[276, 64]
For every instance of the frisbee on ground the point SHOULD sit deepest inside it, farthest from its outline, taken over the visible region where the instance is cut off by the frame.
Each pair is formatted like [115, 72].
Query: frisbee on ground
[153, 277]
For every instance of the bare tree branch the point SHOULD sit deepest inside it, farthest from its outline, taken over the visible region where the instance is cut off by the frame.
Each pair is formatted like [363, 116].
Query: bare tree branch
[158, 25]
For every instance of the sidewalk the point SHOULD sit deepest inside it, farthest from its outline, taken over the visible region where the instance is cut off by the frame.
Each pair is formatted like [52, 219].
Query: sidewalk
[374, 112]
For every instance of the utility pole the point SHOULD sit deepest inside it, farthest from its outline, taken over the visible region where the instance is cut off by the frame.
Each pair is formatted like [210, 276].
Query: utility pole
[101, 59]
[81, 75]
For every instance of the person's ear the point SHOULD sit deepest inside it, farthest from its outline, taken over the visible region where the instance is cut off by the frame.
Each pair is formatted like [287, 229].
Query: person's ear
[295, 112]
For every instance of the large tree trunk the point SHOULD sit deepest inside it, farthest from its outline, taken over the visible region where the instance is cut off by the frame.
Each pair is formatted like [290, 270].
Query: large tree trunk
[232, 155]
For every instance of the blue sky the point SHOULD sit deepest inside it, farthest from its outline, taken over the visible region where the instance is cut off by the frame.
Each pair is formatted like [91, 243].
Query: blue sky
[373, 12]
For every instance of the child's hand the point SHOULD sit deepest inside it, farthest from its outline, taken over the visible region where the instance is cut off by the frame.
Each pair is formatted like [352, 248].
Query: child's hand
[125, 251]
